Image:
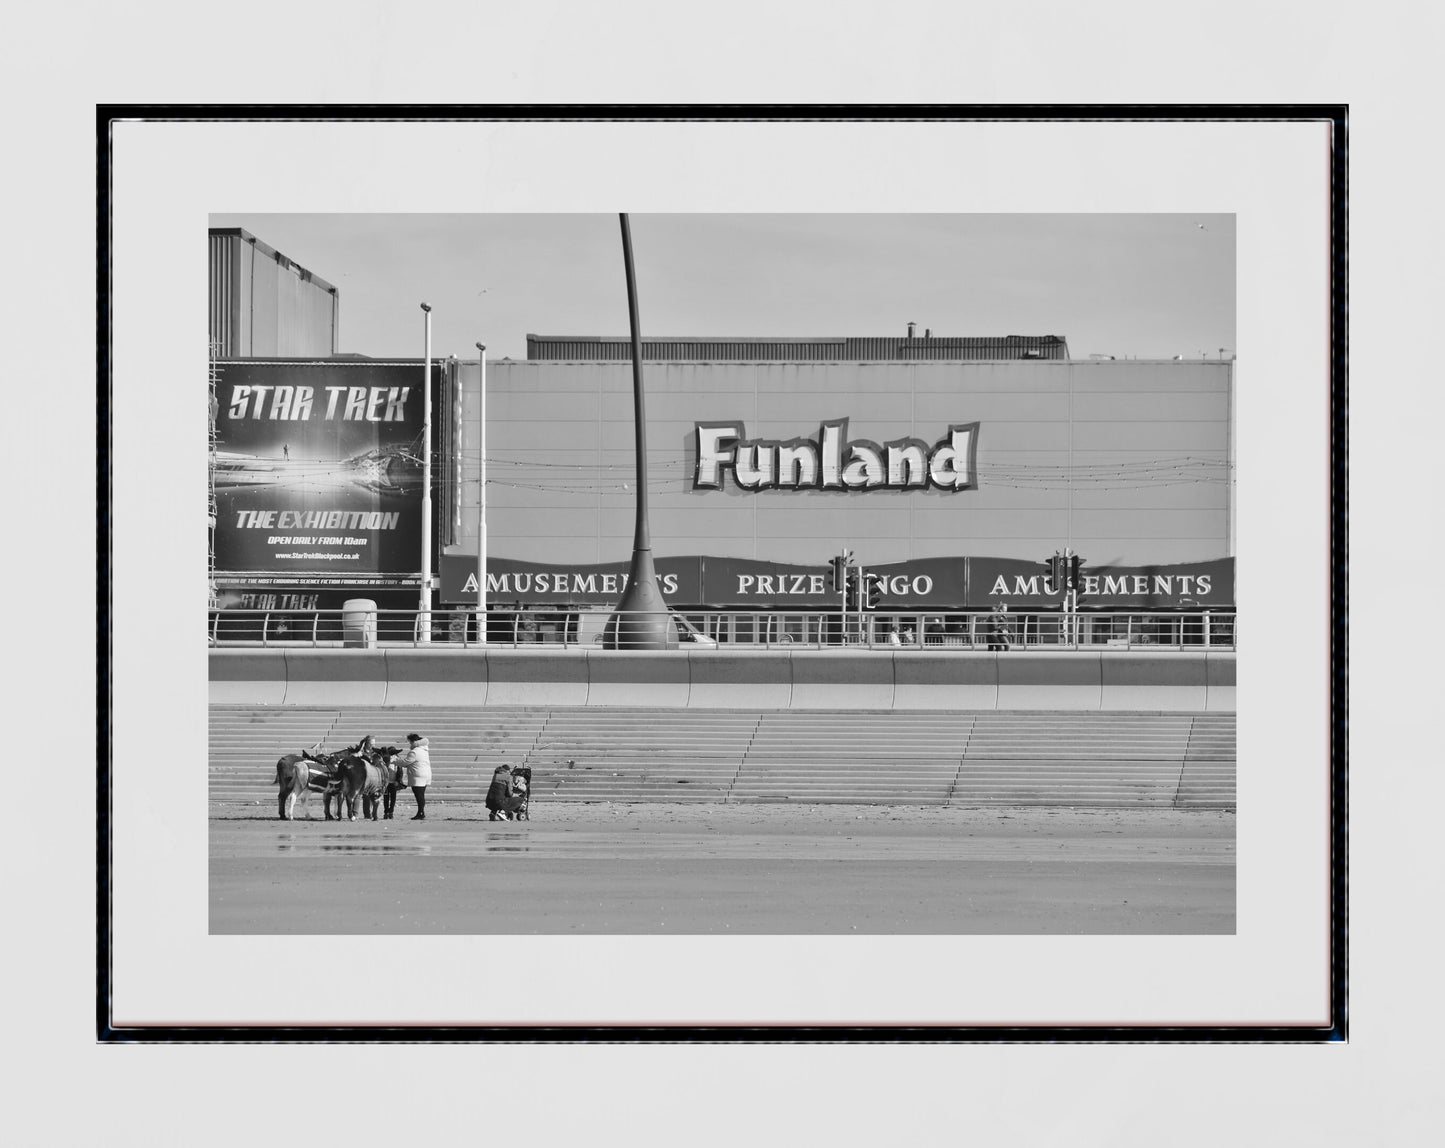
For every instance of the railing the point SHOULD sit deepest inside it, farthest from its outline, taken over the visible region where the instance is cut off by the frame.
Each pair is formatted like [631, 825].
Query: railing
[723, 629]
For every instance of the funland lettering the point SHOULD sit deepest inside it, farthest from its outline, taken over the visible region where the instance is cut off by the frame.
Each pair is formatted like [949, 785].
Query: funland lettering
[833, 462]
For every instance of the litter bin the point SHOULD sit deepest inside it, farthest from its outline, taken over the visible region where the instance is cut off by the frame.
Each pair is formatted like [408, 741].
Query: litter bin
[457, 627]
[358, 623]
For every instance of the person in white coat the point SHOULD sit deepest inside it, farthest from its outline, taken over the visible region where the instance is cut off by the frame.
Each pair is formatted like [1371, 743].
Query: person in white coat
[414, 764]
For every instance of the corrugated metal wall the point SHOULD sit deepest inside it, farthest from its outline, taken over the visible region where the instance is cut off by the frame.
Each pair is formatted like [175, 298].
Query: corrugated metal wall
[550, 348]
[223, 290]
[263, 304]
[966, 349]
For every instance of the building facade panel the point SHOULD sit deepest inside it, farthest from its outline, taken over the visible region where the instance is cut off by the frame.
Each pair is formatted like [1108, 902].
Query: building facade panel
[1000, 436]
[986, 378]
[1052, 468]
[1134, 406]
[506, 524]
[1017, 522]
[833, 527]
[914, 345]
[669, 406]
[1164, 551]
[525, 437]
[1184, 496]
[1155, 437]
[1152, 376]
[805, 410]
[936, 508]
[511, 402]
[965, 406]
[263, 304]
[689, 379]
[1136, 525]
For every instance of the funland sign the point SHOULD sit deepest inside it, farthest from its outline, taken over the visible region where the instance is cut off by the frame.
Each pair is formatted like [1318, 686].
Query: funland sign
[834, 462]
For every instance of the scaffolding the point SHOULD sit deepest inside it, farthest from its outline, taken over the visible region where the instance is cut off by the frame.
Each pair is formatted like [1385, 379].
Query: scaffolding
[214, 600]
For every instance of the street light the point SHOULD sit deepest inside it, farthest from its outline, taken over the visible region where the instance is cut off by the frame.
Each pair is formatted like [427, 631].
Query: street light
[642, 620]
[424, 608]
[482, 505]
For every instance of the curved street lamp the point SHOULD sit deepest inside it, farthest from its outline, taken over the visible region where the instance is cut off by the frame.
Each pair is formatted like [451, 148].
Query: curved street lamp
[642, 620]
[482, 503]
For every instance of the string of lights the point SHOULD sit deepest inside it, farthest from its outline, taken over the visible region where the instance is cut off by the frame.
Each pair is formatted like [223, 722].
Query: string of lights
[604, 478]
[1127, 474]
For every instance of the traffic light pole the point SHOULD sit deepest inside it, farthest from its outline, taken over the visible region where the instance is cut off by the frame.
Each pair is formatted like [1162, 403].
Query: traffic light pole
[840, 565]
[1072, 577]
[1065, 571]
[859, 584]
[862, 600]
[853, 580]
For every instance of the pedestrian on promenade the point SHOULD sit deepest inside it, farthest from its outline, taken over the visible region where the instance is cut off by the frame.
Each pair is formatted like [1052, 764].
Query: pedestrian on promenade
[997, 628]
[414, 770]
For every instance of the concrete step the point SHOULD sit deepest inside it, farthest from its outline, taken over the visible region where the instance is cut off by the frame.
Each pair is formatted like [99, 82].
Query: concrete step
[642, 736]
[877, 757]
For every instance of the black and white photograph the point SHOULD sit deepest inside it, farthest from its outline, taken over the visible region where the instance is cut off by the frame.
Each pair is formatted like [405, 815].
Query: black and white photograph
[845, 574]
[865, 573]
[685, 584]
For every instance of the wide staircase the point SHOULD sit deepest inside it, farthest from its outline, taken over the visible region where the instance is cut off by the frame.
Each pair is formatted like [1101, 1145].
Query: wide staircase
[1167, 760]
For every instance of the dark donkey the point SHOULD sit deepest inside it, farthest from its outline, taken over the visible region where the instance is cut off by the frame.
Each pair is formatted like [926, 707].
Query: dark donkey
[385, 755]
[368, 773]
[381, 755]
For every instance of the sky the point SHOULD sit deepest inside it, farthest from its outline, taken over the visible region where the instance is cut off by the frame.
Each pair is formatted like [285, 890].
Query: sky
[1136, 286]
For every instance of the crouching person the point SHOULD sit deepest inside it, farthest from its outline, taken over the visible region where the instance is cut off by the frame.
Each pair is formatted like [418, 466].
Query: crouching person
[499, 794]
[414, 770]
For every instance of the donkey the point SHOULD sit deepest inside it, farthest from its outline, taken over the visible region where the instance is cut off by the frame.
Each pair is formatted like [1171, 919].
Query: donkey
[367, 777]
[302, 774]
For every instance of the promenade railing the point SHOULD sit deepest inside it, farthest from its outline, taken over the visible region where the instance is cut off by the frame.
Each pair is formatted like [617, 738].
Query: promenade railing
[725, 629]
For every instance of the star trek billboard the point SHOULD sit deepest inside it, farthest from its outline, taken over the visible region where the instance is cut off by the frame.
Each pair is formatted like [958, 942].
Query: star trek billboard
[318, 468]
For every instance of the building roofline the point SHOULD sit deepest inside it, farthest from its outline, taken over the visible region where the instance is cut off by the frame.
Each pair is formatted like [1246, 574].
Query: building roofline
[815, 339]
[266, 249]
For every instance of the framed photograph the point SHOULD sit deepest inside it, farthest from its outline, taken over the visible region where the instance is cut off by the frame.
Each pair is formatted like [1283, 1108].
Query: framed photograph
[968, 472]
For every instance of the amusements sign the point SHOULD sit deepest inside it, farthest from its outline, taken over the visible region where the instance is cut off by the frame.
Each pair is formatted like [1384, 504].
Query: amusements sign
[1177, 586]
[918, 584]
[732, 583]
[921, 584]
[539, 583]
[318, 468]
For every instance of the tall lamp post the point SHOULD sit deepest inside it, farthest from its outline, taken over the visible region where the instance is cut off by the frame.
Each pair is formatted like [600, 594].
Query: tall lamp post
[482, 503]
[642, 620]
[423, 618]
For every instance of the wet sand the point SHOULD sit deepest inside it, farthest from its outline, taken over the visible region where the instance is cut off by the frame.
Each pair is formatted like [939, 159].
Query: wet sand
[771, 869]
